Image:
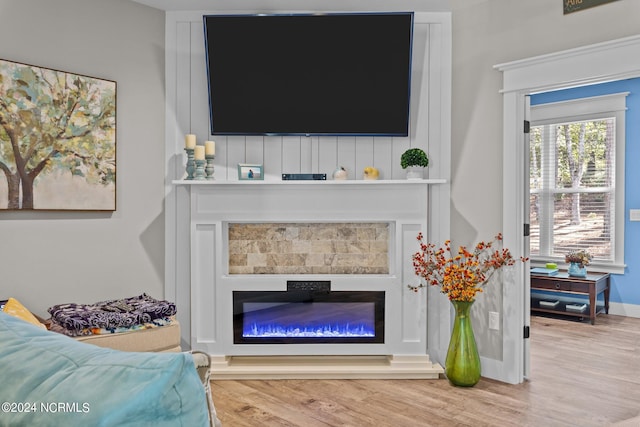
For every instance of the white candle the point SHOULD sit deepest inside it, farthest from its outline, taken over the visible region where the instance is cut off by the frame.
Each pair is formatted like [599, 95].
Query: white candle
[210, 148]
[199, 152]
[190, 141]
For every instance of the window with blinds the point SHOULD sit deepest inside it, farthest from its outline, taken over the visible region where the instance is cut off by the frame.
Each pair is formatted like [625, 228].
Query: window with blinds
[573, 180]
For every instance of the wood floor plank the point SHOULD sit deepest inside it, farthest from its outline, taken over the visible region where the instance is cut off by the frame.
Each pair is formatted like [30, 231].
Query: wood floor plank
[581, 375]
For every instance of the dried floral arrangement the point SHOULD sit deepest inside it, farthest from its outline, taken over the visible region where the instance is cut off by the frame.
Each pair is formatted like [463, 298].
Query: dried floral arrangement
[581, 257]
[460, 275]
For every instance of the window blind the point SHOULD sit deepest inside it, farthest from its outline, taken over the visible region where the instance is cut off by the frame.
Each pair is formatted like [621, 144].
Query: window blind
[572, 188]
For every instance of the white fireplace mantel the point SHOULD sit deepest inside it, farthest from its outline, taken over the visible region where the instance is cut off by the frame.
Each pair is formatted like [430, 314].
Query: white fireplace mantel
[372, 182]
[402, 204]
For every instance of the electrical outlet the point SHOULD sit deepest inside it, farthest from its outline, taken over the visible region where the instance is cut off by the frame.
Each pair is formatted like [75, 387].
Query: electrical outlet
[494, 320]
[634, 214]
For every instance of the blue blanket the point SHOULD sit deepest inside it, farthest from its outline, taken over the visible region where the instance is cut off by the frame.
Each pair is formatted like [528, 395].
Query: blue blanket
[48, 379]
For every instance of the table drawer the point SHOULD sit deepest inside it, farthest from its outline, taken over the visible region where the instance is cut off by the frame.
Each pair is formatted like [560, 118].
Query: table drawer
[559, 285]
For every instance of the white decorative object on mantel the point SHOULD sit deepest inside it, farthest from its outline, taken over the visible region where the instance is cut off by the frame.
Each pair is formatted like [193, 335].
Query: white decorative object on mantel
[215, 204]
[340, 174]
[415, 172]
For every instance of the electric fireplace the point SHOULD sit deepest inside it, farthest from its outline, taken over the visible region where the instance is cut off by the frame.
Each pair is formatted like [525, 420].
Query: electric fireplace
[308, 316]
[258, 321]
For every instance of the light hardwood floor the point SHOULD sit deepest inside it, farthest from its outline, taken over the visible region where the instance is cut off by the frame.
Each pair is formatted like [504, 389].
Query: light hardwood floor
[581, 375]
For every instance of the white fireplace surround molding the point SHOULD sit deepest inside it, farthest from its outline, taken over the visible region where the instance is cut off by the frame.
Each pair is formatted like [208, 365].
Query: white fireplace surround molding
[403, 205]
[187, 113]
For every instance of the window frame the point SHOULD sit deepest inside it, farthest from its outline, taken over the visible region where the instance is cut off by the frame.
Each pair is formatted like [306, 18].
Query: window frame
[593, 108]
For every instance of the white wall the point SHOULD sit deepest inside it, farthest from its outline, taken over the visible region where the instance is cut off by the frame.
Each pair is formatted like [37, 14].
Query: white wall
[486, 33]
[490, 32]
[55, 257]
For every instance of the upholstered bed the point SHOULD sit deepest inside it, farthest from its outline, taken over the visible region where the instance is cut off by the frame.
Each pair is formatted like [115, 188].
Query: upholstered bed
[49, 379]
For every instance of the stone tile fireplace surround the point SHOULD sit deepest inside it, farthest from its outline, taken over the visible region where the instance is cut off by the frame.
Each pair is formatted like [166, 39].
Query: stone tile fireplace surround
[356, 235]
[309, 248]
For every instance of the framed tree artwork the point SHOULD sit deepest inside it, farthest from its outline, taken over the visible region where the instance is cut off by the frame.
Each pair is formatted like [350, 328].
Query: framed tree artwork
[57, 140]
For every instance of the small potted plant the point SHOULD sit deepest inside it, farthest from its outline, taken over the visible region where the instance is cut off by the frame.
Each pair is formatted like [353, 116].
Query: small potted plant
[414, 160]
[578, 261]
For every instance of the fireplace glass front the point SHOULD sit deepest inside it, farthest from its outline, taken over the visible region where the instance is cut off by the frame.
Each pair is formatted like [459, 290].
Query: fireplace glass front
[307, 316]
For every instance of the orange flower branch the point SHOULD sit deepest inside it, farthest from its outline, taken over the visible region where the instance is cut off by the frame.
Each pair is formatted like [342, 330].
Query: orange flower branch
[460, 275]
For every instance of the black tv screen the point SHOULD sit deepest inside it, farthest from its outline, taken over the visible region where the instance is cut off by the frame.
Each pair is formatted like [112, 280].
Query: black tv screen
[309, 74]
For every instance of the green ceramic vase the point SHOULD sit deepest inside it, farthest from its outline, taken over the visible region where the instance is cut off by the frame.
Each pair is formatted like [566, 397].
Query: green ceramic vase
[462, 365]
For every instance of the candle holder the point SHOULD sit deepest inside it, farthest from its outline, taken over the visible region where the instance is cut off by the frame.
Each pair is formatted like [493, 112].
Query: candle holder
[208, 169]
[191, 166]
[199, 174]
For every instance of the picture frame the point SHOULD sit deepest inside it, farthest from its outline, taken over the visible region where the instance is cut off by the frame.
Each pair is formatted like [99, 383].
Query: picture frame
[58, 140]
[570, 6]
[250, 172]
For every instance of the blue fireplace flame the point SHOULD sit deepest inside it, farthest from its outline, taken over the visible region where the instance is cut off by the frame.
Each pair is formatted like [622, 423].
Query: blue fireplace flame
[320, 331]
[309, 320]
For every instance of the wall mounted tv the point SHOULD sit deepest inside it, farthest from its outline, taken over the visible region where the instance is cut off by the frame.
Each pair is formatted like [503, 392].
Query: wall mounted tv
[309, 74]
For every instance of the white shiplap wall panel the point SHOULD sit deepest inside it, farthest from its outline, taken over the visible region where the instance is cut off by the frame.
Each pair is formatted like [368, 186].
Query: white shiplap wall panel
[315, 156]
[187, 112]
[254, 149]
[221, 153]
[299, 154]
[291, 154]
[272, 157]
[327, 155]
[439, 93]
[198, 81]
[347, 155]
[398, 147]
[434, 94]
[364, 155]
[420, 105]
[307, 154]
[383, 155]
[236, 153]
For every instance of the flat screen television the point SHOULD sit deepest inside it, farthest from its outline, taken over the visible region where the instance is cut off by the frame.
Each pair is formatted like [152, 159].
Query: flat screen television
[309, 74]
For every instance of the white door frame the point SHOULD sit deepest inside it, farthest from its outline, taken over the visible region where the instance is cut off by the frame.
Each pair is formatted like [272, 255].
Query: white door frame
[526, 201]
[603, 62]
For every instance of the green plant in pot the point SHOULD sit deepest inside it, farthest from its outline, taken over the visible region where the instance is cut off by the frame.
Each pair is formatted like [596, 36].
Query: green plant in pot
[414, 160]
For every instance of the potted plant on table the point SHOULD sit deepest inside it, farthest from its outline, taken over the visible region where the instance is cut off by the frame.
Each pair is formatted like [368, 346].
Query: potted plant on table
[578, 261]
[414, 160]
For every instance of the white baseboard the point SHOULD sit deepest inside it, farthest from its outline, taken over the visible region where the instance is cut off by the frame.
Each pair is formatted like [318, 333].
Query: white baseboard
[316, 367]
[620, 309]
